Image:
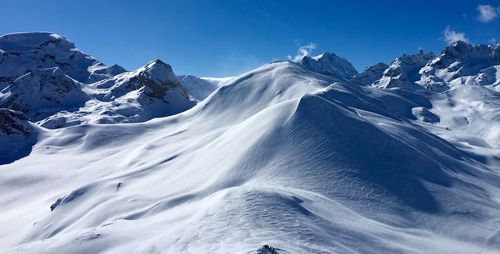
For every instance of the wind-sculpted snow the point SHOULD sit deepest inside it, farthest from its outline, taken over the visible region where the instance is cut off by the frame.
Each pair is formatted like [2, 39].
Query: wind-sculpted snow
[281, 159]
[280, 156]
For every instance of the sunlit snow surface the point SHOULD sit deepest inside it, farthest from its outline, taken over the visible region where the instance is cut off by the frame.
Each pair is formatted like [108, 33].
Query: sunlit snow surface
[281, 156]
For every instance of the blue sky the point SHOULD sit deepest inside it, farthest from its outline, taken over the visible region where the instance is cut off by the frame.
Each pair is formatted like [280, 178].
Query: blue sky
[227, 37]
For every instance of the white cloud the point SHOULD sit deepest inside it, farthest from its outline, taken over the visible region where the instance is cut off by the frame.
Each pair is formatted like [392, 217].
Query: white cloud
[303, 51]
[451, 36]
[487, 13]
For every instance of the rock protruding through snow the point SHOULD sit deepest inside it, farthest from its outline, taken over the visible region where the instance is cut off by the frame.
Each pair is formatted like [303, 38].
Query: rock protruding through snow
[329, 64]
[17, 136]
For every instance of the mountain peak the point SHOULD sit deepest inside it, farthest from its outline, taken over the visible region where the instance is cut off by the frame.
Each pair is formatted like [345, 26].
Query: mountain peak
[325, 55]
[404, 70]
[22, 52]
[329, 64]
[21, 42]
[457, 60]
[158, 71]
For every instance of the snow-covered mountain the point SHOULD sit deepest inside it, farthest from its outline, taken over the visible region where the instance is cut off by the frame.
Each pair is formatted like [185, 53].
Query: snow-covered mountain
[285, 158]
[23, 52]
[148, 92]
[56, 85]
[461, 60]
[403, 72]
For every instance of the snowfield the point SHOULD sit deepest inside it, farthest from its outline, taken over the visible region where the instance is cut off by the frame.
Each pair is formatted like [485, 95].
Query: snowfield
[305, 158]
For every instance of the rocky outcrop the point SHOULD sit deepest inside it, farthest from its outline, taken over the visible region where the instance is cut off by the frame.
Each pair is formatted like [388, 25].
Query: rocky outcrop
[329, 64]
[17, 136]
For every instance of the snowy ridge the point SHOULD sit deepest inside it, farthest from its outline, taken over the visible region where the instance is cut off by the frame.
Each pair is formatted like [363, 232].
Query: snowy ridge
[284, 155]
[148, 92]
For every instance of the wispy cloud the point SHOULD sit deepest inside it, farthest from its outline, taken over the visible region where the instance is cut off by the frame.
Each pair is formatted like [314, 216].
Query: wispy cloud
[303, 51]
[451, 36]
[487, 13]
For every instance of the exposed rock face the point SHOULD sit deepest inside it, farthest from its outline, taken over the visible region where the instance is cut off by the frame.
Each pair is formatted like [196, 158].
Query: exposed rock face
[17, 132]
[371, 74]
[155, 77]
[330, 64]
[458, 60]
[425, 115]
[41, 92]
[151, 91]
[266, 249]
[13, 123]
[403, 72]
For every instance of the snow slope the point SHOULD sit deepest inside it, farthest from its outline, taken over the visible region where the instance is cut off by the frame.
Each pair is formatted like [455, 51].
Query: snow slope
[282, 155]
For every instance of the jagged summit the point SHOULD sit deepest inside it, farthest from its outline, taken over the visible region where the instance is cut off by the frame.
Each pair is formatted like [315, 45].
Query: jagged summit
[458, 60]
[329, 64]
[404, 71]
[475, 55]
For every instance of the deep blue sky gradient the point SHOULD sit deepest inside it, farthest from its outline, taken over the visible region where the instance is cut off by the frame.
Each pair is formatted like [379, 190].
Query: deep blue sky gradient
[227, 37]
